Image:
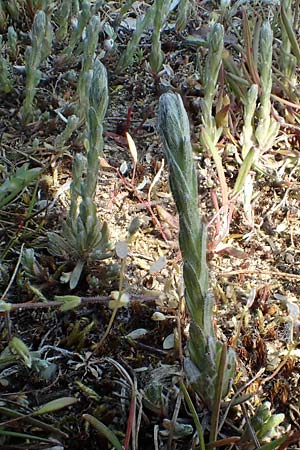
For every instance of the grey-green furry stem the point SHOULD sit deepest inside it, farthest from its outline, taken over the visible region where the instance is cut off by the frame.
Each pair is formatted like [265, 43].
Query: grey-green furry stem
[6, 83]
[203, 365]
[267, 127]
[33, 58]
[175, 133]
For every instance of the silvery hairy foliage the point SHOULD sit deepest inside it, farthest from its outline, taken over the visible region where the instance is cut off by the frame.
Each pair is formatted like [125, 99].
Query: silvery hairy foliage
[41, 39]
[202, 366]
[83, 238]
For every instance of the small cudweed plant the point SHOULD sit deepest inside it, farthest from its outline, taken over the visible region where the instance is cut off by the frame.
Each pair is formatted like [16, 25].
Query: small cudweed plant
[267, 127]
[12, 38]
[248, 141]
[6, 82]
[72, 124]
[90, 45]
[79, 24]
[83, 239]
[183, 14]
[63, 19]
[156, 56]
[210, 132]
[142, 25]
[257, 141]
[33, 58]
[209, 368]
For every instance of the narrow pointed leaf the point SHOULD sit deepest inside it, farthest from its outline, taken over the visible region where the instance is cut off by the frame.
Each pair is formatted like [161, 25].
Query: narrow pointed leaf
[24, 436]
[274, 444]
[104, 431]
[76, 274]
[55, 405]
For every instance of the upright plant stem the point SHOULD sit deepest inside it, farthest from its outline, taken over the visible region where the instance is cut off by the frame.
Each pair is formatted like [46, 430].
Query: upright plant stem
[205, 351]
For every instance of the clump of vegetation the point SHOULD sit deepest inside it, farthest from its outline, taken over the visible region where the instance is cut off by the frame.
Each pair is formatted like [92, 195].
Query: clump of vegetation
[89, 47]
[33, 58]
[211, 131]
[141, 26]
[83, 239]
[255, 142]
[16, 183]
[206, 360]
[79, 25]
[156, 56]
[6, 82]
[210, 367]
